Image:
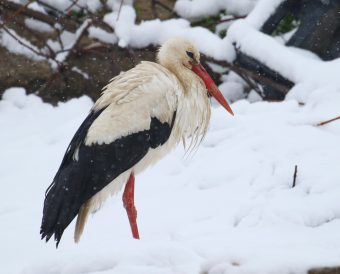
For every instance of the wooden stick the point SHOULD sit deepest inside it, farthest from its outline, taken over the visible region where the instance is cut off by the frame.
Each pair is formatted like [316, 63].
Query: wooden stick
[120, 9]
[294, 177]
[328, 121]
[231, 19]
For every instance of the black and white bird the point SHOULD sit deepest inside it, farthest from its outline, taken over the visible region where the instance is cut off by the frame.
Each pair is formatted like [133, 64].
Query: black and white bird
[141, 115]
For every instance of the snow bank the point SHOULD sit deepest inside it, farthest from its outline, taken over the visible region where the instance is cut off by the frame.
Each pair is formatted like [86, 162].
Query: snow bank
[298, 65]
[156, 32]
[230, 208]
[262, 11]
[196, 9]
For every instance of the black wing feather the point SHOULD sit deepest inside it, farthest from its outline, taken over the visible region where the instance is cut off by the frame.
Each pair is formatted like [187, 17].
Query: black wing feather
[78, 180]
[77, 139]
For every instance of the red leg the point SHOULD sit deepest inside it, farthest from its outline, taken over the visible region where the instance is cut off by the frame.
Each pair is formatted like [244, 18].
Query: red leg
[129, 204]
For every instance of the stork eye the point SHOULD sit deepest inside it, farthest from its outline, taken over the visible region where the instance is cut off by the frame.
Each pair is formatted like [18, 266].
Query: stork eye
[190, 54]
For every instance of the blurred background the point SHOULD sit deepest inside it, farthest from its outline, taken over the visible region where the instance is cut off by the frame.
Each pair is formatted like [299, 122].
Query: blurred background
[66, 48]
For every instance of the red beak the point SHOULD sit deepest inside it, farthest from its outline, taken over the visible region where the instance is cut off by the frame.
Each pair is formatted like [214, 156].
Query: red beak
[211, 86]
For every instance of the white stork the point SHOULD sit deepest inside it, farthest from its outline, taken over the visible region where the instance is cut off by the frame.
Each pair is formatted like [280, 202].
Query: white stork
[141, 115]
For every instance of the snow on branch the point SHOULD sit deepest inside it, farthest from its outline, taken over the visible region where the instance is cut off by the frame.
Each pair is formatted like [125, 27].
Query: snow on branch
[62, 24]
[68, 24]
[62, 55]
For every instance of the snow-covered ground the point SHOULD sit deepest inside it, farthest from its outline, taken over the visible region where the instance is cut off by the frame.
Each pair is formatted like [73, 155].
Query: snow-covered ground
[230, 208]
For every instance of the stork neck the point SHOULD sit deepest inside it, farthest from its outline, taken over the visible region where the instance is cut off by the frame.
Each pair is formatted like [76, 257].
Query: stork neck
[184, 75]
[186, 78]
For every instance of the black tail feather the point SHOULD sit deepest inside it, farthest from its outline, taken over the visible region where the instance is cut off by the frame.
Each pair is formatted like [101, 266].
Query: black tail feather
[61, 204]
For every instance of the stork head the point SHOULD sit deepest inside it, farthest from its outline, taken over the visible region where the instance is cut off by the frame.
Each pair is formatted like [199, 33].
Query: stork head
[179, 55]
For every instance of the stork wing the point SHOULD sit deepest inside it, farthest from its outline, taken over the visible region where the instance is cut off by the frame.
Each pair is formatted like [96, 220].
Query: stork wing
[115, 136]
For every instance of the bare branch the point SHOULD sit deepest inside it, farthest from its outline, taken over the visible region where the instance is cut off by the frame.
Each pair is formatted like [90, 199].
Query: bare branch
[59, 38]
[328, 121]
[61, 14]
[22, 42]
[120, 9]
[294, 177]
[73, 3]
[68, 24]
[231, 19]
[79, 34]
[49, 56]
[22, 8]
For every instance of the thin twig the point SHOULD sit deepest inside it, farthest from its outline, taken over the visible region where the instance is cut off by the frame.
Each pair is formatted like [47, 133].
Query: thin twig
[251, 84]
[328, 121]
[21, 42]
[120, 9]
[225, 20]
[73, 3]
[294, 177]
[79, 34]
[28, 46]
[231, 19]
[21, 9]
[96, 20]
[51, 51]
[51, 8]
[59, 38]
[68, 23]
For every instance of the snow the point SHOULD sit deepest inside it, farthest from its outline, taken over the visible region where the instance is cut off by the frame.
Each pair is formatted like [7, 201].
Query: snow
[82, 73]
[129, 34]
[196, 9]
[93, 5]
[102, 35]
[156, 32]
[38, 25]
[297, 65]
[232, 87]
[230, 208]
[62, 56]
[37, 7]
[262, 12]
[12, 45]
[62, 5]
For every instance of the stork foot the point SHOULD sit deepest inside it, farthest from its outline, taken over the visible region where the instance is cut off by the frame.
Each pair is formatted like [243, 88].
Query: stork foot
[129, 204]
